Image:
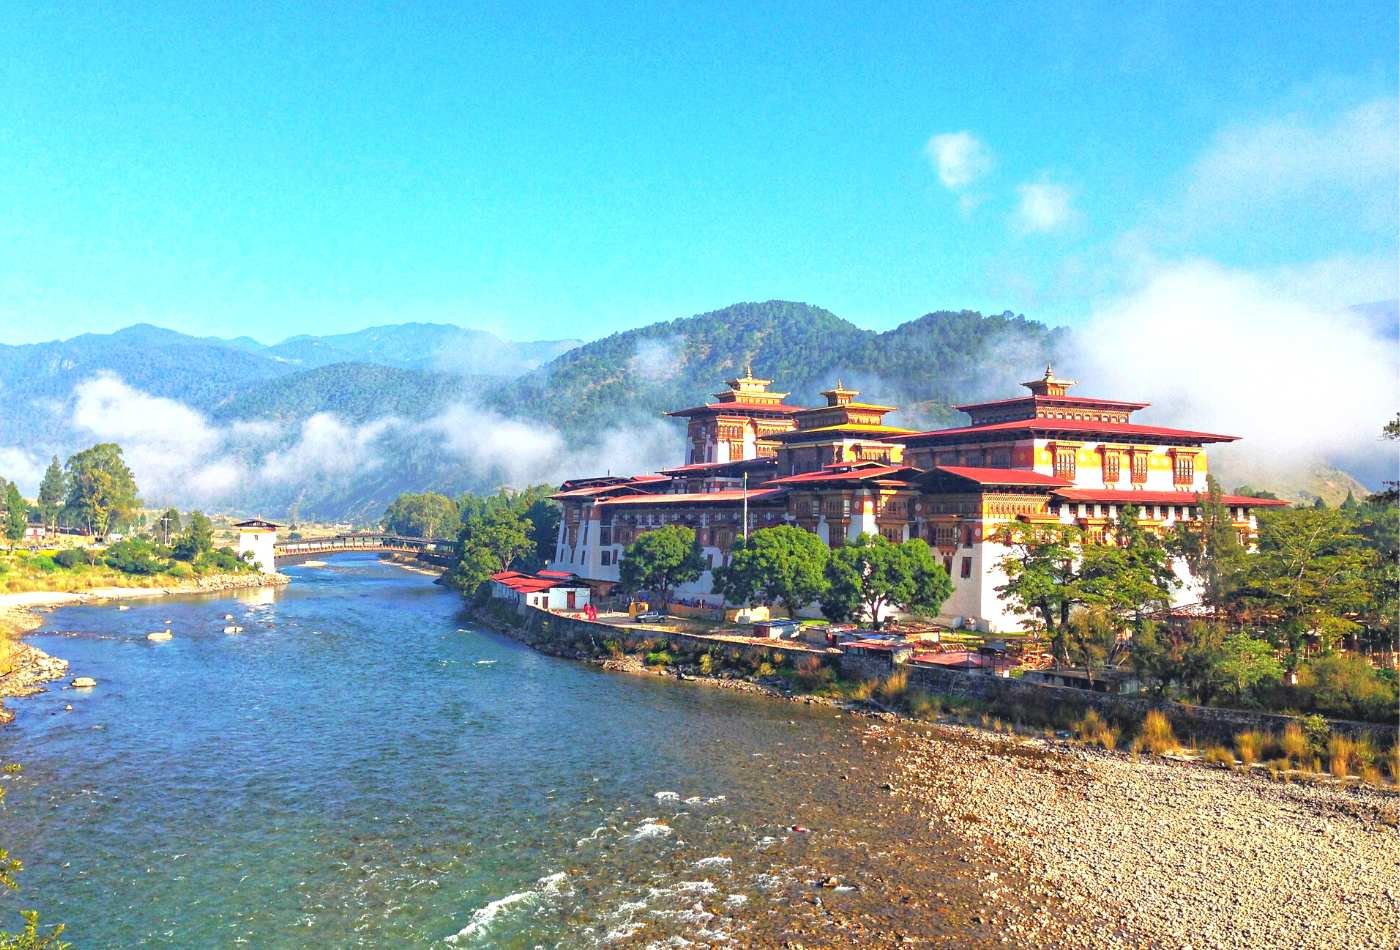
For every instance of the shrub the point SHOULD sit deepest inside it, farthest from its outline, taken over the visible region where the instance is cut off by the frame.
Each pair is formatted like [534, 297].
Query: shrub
[764, 669]
[1293, 743]
[659, 658]
[1249, 746]
[1219, 755]
[1348, 687]
[43, 563]
[861, 691]
[134, 556]
[1157, 733]
[1318, 732]
[70, 558]
[707, 663]
[181, 570]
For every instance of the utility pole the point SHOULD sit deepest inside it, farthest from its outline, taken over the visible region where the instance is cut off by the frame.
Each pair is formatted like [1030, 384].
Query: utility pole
[746, 506]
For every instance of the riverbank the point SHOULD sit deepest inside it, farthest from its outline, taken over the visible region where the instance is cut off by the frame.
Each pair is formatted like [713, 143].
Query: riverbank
[26, 668]
[1087, 848]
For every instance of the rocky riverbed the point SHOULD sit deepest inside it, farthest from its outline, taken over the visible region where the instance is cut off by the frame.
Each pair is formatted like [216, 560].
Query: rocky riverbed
[1081, 848]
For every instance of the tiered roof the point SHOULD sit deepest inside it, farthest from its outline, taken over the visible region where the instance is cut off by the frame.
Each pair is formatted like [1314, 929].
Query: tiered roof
[747, 395]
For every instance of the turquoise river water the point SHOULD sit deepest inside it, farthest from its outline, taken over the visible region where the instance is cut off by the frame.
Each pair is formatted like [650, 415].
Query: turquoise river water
[362, 766]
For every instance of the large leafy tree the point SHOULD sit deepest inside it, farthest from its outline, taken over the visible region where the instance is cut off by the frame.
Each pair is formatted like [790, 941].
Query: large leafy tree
[870, 575]
[1211, 548]
[1308, 579]
[1042, 574]
[422, 515]
[101, 489]
[491, 540]
[661, 560]
[1091, 640]
[1245, 662]
[52, 490]
[1129, 575]
[782, 565]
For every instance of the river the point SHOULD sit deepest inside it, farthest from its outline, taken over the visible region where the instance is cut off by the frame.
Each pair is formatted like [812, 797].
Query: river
[361, 765]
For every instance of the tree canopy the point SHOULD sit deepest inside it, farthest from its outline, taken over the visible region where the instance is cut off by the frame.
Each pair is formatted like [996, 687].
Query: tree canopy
[871, 575]
[422, 515]
[101, 489]
[781, 565]
[661, 560]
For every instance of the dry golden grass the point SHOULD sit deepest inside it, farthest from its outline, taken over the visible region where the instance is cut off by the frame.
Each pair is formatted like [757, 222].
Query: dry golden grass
[1094, 730]
[1157, 734]
[1219, 755]
[1249, 746]
[1341, 753]
[1293, 743]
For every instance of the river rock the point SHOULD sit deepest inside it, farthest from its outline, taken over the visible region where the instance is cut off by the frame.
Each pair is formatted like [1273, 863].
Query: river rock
[83, 682]
[160, 635]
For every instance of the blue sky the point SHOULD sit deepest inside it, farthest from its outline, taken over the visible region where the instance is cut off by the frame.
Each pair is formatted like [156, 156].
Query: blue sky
[572, 170]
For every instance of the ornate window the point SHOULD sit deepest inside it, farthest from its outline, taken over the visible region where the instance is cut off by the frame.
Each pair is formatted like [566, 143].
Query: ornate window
[1111, 462]
[1139, 468]
[1184, 470]
[1065, 462]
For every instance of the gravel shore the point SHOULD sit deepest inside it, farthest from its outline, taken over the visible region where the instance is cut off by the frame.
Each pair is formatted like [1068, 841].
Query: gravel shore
[1153, 852]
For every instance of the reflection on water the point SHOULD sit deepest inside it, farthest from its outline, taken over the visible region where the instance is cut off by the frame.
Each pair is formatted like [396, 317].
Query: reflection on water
[360, 765]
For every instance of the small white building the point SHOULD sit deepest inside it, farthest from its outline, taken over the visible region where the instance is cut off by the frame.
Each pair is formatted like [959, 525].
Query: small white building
[259, 537]
[547, 590]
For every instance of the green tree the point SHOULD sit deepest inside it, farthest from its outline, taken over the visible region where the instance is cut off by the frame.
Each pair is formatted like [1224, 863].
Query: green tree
[1156, 656]
[1091, 640]
[1245, 662]
[1346, 686]
[870, 575]
[1211, 548]
[16, 514]
[1129, 574]
[1042, 574]
[782, 565]
[1201, 655]
[1308, 579]
[489, 542]
[52, 490]
[660, 560]
[197, 539]
[422, 515]
[101, 489]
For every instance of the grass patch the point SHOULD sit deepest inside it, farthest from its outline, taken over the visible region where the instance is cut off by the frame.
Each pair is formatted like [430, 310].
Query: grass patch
[1219, 755]
[1249, 746]
[1157, 736]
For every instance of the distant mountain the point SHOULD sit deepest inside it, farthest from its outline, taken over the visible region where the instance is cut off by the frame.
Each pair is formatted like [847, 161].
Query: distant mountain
[931, 361]
[426, 346]
[358, 392]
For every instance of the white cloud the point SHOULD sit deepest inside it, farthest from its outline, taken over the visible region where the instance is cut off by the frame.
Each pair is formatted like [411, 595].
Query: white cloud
[1042, 207]
[960, 158]
[1226, 350]
[23, 468]
[1336, 160]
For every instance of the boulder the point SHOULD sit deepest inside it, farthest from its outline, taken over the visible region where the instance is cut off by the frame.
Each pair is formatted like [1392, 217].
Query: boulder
[83, 682]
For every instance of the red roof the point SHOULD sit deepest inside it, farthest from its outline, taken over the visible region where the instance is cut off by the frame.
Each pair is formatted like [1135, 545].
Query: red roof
[648, 478]
[876, 645]
[862, 473]
[557, 575]
[1118, 496]
[1057, 400]
[736, 407]
[959, 658]
[502, 575]
[763, 461]
[695, 498]
[1078, 426]
[593, 490]
[1002, 476]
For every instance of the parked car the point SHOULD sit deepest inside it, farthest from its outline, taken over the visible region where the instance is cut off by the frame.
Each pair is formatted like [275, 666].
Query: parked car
[649, 616]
